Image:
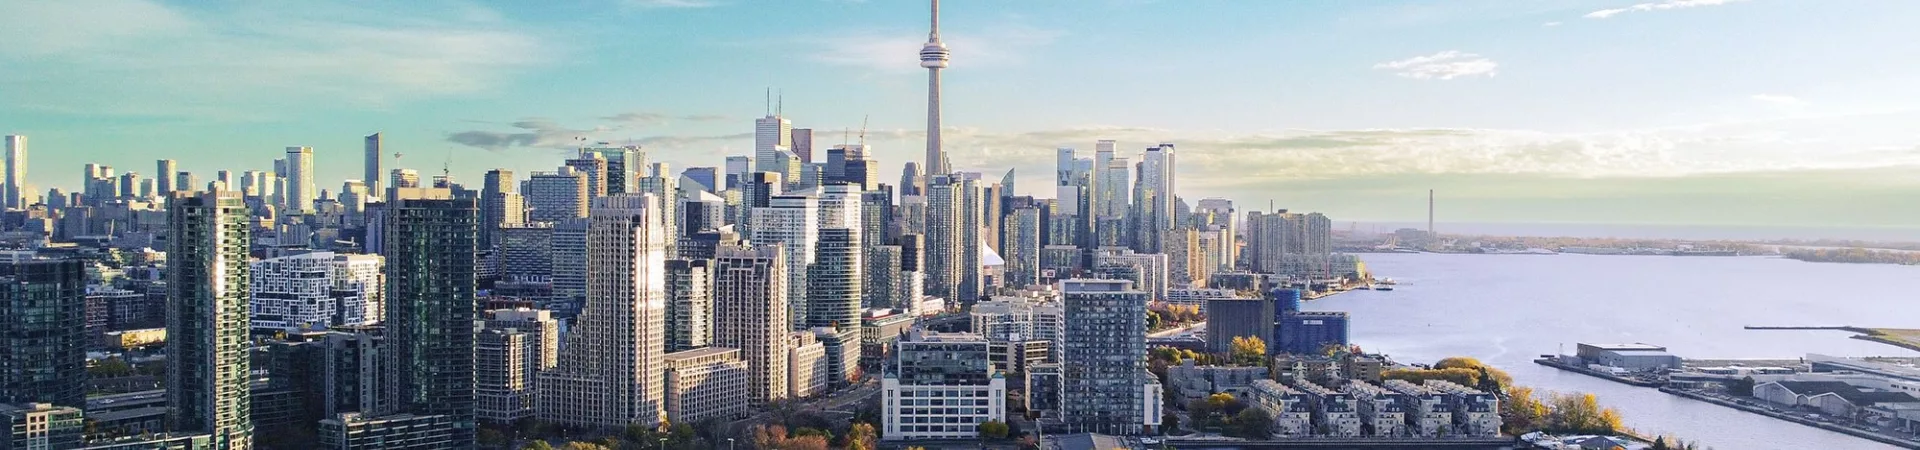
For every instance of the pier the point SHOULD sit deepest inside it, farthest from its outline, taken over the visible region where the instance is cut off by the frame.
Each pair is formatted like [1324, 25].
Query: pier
[1790, 417]
[1550, 362]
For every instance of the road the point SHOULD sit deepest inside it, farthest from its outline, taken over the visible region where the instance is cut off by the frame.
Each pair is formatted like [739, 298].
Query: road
[843, 401]
[1171, 332]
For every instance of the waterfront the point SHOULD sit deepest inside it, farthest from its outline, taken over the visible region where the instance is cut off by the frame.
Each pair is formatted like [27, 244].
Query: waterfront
[1508, 309]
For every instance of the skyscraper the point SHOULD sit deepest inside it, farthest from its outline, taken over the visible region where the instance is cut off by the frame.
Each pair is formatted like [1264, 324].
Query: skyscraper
[612, 373]
[1105, 356]
[834, 281]
[1154, 196]
[623, 165]
[42, 326]
[500, 205]
[595, 167]
[431, 308]
[793, 222]
[404, 178]
[802, 139]
[372, 170]
[15, 189]
[933, 56]
[771, 135]
[557, 196]
[208, 370]
[1022, 247]
[750, 314]
[300, 188]
[943, 237]
[165, 171]
[689, 304]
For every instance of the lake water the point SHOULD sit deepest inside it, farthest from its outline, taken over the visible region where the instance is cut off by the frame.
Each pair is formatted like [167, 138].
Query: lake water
[1508, 309]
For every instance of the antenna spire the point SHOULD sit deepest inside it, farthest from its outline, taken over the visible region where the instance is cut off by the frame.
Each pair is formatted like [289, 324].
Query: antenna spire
[935, 34]
[769, 100]
[780, 104]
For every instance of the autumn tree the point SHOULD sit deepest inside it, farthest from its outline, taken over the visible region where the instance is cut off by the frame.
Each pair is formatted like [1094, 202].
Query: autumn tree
[1249, 350]
[994, 429]
[861, 437]
[537, 445]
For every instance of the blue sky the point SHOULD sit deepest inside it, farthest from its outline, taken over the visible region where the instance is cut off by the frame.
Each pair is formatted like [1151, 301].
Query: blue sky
[1637, 111]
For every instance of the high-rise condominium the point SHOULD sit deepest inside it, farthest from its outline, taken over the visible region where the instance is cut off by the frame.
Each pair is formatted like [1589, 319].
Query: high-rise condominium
[750, 314]
[595, 167]
[15, 189]
[500, 205]
[1105, 356]
[316, 291]
[793, 222]
[557, 196]
[1154, 196]
[300, 187]
[372, 170]
[834, 281]
[208, 371]
[42, 329]
[431, 306]
[612, 372]
[164, 172]
[623, 165]
[689, 304]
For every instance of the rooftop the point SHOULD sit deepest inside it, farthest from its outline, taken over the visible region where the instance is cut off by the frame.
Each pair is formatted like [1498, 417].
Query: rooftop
[700, 353]
[1627, 347]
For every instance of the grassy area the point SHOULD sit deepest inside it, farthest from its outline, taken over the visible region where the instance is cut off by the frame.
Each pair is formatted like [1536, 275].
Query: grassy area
[1906, 338]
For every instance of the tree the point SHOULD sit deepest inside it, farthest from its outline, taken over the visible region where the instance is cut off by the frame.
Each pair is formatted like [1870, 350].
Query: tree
[1253, 423]
[1249, 350]
[861, 437]
[537, 445]
[1742, 387]
[1462, 362]
[1460, 376]
[576, 445]
[994, 429]
[491, 438]
[1169, 422]
[1521, 412]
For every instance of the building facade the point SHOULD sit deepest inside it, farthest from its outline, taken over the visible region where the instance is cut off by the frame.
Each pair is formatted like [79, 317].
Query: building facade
[42, 334]
[706, 383]
[1104, 357]
[612, 372]
[208, 370]
[750, 314]
[431, 307]
[940, 386]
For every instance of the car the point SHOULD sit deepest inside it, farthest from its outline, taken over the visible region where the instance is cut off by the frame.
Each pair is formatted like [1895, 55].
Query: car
[1149, 441]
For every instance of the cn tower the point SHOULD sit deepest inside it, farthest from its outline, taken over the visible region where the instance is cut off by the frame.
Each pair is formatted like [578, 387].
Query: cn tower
[933, 56]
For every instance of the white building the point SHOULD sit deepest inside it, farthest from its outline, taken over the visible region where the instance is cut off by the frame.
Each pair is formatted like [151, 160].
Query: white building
[807, 371]
[706, 383]
[750, 314]
[793, 222]
[613, 371]
[1292, 412]
[557, 196]
[315, 291]
[771, 134]
[1427, 411]
[300, 188]
[940, 386]
[1007, 319]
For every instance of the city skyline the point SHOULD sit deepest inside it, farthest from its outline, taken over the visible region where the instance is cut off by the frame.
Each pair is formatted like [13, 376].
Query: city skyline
[1588, 121]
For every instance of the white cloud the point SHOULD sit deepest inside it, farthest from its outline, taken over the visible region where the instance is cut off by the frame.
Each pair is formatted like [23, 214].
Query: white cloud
[1445, 65]
[153, 59]
[1784, 100]
[897, 51]
[1657, 6]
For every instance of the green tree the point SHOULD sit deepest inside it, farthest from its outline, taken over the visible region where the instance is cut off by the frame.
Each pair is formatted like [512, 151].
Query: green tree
[1253, 423]
[1522, 412]
[491, 438]
[994, 429]
[1249, 350]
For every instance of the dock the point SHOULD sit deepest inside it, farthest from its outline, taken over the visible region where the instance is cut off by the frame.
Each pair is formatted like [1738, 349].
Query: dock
[1876, 437]
[1550, 362]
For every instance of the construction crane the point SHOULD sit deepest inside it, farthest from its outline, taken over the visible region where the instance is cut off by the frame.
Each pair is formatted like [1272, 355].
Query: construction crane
[863, 129]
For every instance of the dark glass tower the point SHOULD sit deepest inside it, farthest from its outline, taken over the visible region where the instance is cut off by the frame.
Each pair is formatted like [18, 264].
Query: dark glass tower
[208, 369]
[42, 307]
[430, 244]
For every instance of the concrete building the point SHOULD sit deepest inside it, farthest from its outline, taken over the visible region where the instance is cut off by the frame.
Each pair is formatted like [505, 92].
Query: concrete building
[1104, 356]
[1291, 410]
[42, 329]
[370, 169]
[557, 196]
[705, 383]
[208, 371]
[316, 291]
[689, 304]
[771, 134]
[835, 279]
[880, 332]
[943, 236]
[539, 322]
[793, 222]
[1149, 271]
[624, 165]
[843, 348]
[595, 168]
[750, 314]
[41, 426]
[1017, 357]
[1238, 317]
[807, 369]
[569, 256]
[941, 386]
[1009, 319]
[1381, 410]
[1021, 247]
[501, 206]
[431, 307]
[1333, 411]
[505, 361]
[1633, 357]
[612, 372]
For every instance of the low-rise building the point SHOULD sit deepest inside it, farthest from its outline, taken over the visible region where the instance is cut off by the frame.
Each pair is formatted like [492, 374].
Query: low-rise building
[354, 431]
[1476, 413]
[807, 368]
[1382, 410]
[1291, 410]
[1633, 357]
[705, 383]
[879, 330]
[1833, 398]
[38, 426]
[1335, 412]
[1427, 411]
[1194, 382]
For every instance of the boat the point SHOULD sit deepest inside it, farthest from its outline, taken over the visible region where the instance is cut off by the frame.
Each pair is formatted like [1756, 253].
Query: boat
[1384, 287]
